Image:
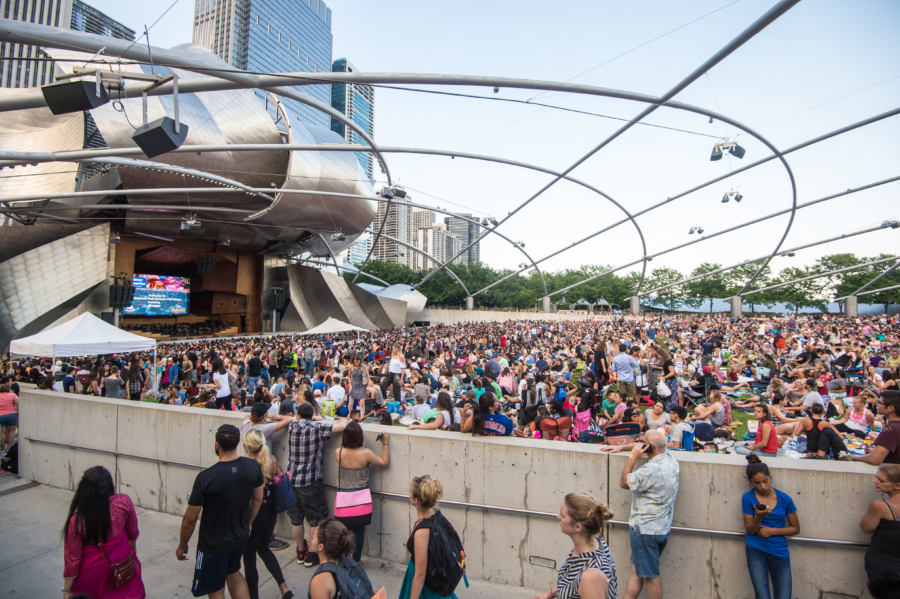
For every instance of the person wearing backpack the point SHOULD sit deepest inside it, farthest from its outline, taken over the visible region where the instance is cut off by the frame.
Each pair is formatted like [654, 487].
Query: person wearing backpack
[437, 559]
[338, 576]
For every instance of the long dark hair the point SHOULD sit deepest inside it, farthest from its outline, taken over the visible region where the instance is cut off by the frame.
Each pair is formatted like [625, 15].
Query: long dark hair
[444, 403]
[218, 366]
[485, 406]
[90, 506]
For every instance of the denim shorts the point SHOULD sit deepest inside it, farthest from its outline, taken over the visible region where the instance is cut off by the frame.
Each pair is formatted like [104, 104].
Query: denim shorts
[645, 552]
[9, 420]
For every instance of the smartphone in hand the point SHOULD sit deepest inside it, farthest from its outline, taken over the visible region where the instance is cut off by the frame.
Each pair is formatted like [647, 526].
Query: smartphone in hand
[760, 507]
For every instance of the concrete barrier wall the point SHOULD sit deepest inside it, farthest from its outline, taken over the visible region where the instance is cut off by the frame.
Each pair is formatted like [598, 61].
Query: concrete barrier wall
[454, 316]
[517, 474]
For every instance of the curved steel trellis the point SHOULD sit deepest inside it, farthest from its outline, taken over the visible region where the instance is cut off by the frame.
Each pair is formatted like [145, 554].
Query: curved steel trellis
[818, 276]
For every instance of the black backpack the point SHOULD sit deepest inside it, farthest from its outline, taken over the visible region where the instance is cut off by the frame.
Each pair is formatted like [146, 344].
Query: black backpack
[351, 580]
[446, 556]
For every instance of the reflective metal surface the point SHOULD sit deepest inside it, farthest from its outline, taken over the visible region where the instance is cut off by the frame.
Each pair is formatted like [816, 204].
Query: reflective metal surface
[41, 285]
[415, 301]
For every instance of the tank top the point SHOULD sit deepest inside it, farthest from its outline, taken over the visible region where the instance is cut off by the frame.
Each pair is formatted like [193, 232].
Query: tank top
[813, 435]
[860, 424]
[883, 555]
[718, 418]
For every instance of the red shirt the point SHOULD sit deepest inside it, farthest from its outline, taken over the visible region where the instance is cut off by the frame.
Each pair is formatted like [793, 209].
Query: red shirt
[772, 445]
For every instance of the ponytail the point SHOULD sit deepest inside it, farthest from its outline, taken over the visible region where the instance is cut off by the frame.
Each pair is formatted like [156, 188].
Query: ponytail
[479, 413]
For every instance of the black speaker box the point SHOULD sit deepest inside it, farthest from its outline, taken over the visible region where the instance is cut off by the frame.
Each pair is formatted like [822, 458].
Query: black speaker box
[276, 298]
[159, 137]
[206, 265]
[120, 296]
[75, 96]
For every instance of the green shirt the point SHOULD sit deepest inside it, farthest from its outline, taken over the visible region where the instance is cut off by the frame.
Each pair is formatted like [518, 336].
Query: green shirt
[497, 390]
[608, 407]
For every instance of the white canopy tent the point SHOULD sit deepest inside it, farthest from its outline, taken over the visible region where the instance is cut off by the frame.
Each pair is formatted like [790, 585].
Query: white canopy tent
[332, 325]
[84, 335]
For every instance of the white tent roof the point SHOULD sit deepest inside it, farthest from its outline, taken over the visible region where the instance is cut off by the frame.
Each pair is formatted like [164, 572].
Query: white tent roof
[332, 325]
[84, 335]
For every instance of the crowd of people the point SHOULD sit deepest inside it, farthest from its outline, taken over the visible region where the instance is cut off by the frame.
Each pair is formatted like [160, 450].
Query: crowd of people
[183, 329]
[816, 386]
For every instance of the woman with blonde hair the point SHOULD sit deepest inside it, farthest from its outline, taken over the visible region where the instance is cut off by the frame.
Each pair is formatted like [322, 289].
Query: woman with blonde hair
[425, 493]
[589, 571]
[263, 526]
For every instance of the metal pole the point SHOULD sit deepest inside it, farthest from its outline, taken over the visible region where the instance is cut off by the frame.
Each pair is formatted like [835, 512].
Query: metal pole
[879, 277]
[820, 275]
[116, 317]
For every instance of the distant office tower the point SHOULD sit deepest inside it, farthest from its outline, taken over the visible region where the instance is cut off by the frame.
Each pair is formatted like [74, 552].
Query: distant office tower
[466, 232]
[90, 20]
[399, 226]
[17, 69]
[436, 241]
[422, 218]
[272, 36]
[356, 101]
[356, 253]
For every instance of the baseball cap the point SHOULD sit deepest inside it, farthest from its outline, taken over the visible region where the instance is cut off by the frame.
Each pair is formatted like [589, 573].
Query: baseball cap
[317, 393]
[258, 411]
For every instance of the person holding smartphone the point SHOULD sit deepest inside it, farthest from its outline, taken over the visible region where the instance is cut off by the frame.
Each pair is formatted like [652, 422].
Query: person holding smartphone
[769, 518]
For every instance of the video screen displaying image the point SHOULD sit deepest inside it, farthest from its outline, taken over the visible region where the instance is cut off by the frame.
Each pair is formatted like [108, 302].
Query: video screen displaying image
[155, 295]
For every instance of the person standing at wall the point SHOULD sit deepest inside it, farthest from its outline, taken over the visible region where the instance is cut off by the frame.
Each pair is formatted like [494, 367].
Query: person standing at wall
[229, 493]
[769, 517]
[589, 571]
[654, 487]
[882, 521]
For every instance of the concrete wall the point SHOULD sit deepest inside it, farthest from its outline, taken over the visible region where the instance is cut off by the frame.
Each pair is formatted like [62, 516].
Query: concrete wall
[520, 474]
[454, 316]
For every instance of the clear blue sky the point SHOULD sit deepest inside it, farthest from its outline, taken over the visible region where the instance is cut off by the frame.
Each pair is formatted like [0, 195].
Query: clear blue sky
[818, 52]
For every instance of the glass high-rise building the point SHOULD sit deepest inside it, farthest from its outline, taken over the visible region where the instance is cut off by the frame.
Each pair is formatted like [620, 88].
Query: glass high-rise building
[90, 20]
[272, 36]
[466, 232]
[357, 101]
[15, 68]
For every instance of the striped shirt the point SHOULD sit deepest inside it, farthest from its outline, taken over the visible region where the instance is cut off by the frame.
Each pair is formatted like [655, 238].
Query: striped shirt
[569, 578]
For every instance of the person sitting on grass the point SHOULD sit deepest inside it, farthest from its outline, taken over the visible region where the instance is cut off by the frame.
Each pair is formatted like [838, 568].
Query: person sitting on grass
[775, 386]
[822, 438]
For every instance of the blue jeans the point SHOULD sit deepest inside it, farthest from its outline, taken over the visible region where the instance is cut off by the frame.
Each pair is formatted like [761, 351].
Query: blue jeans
[763, 565]
[265, 377]
[309, 365]
[252, 381]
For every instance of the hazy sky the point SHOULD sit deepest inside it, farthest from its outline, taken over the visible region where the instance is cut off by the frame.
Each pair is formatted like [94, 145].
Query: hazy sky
[804, 75]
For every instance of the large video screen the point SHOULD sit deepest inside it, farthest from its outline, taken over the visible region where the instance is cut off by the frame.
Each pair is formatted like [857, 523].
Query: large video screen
[155, 295]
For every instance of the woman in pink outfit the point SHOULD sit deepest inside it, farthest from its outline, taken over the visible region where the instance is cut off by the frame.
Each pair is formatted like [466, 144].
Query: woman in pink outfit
[101, 530]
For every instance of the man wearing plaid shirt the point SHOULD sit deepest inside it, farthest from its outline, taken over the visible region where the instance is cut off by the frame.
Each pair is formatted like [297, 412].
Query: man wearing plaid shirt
[307, 440]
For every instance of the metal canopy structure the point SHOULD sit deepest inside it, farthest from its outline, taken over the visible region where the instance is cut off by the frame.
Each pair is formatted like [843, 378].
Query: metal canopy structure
[228, 79]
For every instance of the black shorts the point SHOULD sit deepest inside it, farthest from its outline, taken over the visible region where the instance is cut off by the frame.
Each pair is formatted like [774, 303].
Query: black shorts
[212, 568]
[311, 505]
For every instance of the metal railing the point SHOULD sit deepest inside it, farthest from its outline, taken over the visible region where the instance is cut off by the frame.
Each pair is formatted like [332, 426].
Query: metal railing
[479, 506]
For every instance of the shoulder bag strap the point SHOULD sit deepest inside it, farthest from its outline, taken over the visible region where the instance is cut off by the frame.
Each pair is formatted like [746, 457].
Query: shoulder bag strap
[340, 467]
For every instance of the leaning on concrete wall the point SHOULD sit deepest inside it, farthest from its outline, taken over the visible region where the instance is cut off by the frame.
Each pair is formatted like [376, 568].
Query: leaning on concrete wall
[155, 452]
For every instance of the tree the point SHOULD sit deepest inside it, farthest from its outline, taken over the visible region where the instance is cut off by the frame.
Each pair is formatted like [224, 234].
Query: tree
[808, 294]
[736, 278]
[662, 277]
[709, 287]
[853, 280]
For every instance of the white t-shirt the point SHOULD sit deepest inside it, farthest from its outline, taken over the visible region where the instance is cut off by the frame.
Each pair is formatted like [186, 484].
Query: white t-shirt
[223, 390]
[396, 366]
[336, 393]
[419, 410]
[456, 417]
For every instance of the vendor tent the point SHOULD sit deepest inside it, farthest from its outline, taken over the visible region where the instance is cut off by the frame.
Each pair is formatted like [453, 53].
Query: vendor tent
[332, 325]
[84, 335]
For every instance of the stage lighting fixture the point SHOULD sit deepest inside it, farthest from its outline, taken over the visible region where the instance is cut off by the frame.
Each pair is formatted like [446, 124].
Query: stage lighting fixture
[725, 198]
[700, 231]
[894, 224]
[738, 197]
[521, 244]
[338, 236]
[716, 153]
[115, 238]
[400, 193]
[737, 151]
[386, 193]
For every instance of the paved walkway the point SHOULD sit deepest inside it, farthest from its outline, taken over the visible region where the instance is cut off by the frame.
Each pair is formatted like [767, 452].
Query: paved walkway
[31, 556]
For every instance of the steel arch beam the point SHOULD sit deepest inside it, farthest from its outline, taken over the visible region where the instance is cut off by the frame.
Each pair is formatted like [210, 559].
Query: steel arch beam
[746, 224]
[424, 253]
[891, 288]
[66, 39]
[349, 268]
[818, 276]
[878, 278]
[754, 260]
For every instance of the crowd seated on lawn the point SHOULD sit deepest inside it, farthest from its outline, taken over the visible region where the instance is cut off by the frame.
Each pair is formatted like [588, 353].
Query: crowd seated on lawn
[798, 386]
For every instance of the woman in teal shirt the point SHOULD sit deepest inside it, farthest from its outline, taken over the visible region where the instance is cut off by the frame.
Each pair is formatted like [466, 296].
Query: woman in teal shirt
[769, 517]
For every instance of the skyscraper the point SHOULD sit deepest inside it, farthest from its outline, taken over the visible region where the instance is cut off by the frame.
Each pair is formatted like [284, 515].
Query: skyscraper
[422, 218]
[399, 226]
[357, 101]
[90, 20]
[466, 232]
[272, 36]
[439, 243]
[17, 70]
[356, 253]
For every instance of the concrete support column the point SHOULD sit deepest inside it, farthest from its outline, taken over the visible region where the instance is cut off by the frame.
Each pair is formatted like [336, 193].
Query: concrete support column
[545, 304]
[635, 305]
[470, 303]
[736, 306]
[851, 308]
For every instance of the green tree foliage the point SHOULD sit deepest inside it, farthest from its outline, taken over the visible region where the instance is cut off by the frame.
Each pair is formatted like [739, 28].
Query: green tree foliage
[525, 290]
[707, 288]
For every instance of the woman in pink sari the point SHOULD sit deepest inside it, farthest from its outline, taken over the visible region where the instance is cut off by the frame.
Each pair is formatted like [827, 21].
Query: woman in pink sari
[100, 534]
